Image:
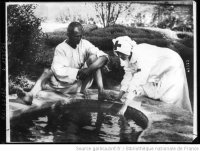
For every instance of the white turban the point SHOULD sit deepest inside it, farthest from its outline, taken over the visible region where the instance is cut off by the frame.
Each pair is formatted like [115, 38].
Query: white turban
[123, 44]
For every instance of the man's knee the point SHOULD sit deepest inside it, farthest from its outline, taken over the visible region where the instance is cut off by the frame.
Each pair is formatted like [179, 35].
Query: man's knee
[46, 70]
[47, 73]
[91, 60]
[45, 78]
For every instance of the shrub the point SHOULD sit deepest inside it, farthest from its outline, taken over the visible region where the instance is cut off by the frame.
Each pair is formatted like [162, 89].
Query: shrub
[185, 36]
[119, 30]
[186, 39]
[45, 57]
[104, 44]
[187, 42]
[24, 36]
[157, 42]
[98, 33]
[185, 51]
[183, 27]
[89, 27]
[140, 24]
[52, 39]
[19, 82]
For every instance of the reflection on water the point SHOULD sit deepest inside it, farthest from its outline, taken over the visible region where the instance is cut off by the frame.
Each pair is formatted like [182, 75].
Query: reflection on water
[76, 126]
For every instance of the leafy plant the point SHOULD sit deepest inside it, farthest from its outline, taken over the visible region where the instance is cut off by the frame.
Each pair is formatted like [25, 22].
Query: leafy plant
[19, 82]
[25, 37]
[109, 12]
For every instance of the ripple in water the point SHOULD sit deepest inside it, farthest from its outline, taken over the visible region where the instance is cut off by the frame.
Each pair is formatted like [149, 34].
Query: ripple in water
[76, 126]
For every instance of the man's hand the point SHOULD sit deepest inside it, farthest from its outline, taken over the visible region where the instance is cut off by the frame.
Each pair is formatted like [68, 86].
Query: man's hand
[83, 73]
[118, 96]
[105, 69]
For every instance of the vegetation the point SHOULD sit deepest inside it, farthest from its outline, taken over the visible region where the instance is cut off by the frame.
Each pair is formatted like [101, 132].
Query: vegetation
[108, 12]
[164, 16]
[25, 38]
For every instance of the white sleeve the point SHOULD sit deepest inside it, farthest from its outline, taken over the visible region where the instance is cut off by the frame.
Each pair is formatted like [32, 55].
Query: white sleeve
[136, 82]
[133, 79]
[126, 79]
[61, 67]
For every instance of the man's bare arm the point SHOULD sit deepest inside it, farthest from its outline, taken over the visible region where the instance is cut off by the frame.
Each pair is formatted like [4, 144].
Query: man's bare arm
[101, 61]
[83, 73]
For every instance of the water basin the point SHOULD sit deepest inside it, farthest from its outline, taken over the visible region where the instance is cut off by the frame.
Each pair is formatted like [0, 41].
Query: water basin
[82, 121]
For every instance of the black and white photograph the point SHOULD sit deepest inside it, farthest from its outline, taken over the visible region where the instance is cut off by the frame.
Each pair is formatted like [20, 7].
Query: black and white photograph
[101, 72]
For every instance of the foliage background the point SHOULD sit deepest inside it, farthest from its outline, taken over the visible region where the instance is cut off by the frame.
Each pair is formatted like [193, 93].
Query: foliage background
[25, 38]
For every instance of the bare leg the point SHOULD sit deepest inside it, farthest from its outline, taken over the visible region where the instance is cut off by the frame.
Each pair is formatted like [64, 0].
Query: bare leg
[98, 78]
[27, 97]
[102, 93]
[97, 74]
[40, 84]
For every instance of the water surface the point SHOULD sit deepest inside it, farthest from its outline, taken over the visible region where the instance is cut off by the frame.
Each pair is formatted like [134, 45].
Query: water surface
[77, 124]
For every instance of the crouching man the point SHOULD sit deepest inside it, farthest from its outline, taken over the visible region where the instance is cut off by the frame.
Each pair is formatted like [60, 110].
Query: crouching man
[152, 71]
[75, 64]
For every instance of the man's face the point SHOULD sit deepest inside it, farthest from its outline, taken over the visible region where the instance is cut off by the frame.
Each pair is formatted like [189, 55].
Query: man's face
[75, 35]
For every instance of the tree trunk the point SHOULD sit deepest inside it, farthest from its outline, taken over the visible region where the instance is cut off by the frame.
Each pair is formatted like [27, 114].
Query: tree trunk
[108, 18]
[102, 15]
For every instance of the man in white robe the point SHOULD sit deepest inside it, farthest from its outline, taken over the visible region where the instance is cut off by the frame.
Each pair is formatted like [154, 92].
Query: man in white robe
[155, 72]
[75, 64]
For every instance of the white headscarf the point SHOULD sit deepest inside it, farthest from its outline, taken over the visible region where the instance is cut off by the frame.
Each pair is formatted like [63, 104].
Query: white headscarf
[123, 44]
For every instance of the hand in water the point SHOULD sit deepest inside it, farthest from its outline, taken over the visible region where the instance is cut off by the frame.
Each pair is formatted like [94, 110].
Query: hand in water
[122, 110]
[135, 104]
[116, 96]
[103, 95]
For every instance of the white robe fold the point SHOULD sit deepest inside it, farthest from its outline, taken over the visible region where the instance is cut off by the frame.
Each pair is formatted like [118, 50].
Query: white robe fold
[161, 75]
[67, 61]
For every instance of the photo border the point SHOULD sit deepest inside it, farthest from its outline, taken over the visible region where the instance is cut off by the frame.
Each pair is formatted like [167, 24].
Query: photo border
[4, 76]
